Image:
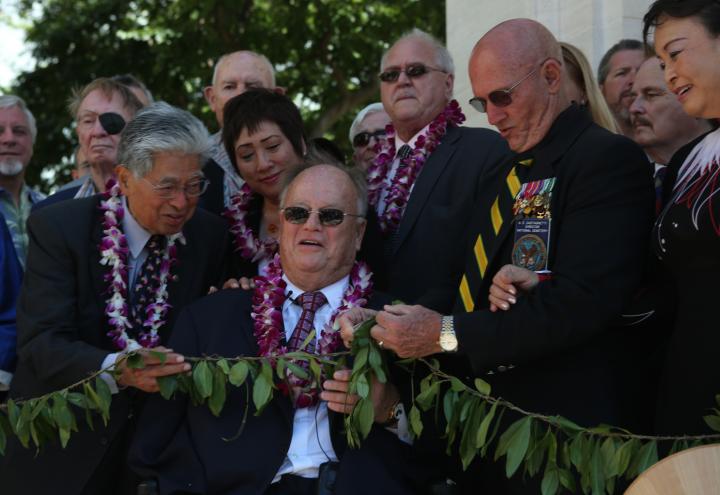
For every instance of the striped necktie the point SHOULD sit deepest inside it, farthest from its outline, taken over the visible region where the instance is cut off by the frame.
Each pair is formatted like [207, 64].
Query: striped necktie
[310, 302]
[490, 228]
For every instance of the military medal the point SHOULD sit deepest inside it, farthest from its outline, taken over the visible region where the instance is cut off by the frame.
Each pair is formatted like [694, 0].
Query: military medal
[532, 225]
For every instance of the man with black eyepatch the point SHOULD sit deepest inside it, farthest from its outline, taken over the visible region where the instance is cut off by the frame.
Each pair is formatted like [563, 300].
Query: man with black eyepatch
[101, 110]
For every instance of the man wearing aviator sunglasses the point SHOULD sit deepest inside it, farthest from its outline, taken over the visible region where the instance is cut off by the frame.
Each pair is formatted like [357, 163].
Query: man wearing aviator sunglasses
[416, 85]
[365, 132]
[592, 198]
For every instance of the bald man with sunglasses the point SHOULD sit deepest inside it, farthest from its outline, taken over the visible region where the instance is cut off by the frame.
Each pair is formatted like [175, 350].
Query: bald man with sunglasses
[419, 249]
[558, 240]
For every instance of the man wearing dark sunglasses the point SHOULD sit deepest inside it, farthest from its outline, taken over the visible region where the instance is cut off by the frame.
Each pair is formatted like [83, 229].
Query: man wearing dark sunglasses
[365, 132]
[572, 210]
[424, 248]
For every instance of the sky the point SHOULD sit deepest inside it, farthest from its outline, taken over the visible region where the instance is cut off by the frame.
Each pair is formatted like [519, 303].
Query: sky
[14, 55]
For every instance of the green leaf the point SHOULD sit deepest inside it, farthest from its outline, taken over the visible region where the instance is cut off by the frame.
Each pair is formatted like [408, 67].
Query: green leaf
[202, 377]
[567, 480]
[576, 450]
[493, 434]
[135, 361]
[262, 389]
[5, 430]
[468, 451]
[97, 400]
[482, 386]
[223, 365]
[713, 422]
[362, 387]
[217, 399]
[481, 435]
[568, 425]
[518, 446]
[160, 356]
[168, 385]
[597, 470]
[425, 399]
[504, 443]
[456, 384]
[238, 373]
[22, 428]
[415, 421]
[360, 360]
[550, 482]
[306, 342]
[608, 450]
[103, 391]
[449, 401]
[298, 371]
[365, 416]
[646, 457]
[315, 369]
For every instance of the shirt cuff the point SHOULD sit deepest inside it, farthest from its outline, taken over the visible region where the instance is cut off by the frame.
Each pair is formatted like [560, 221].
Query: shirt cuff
[402, 430]
[109, 364]
[5, 379]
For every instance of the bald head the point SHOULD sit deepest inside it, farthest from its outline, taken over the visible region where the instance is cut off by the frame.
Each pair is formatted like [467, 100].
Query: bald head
[523, 55]
[234, 74]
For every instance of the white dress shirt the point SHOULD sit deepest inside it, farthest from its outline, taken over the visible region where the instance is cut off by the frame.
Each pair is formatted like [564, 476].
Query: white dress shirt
[310, 445]
[399, 143]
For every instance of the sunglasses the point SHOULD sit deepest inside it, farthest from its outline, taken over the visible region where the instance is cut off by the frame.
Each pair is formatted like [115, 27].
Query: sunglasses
[500, 97]
[329, 217]
[412, 71]
[363, 138]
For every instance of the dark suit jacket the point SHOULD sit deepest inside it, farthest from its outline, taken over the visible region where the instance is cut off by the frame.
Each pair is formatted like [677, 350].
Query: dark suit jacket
[186, 451]
[558, 336]
[62, 330]
[213, 199]
[429, 252]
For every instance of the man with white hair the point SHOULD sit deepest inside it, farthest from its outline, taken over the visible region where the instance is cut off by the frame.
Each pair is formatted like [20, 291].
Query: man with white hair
[17, 137]
[366, 131]
[427, 175]
[234, 74]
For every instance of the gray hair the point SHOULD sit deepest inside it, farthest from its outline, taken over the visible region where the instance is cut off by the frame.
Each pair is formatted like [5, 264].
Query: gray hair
[315, 158]
[161, 128]
[443, 59]
[10, 101]
[260, 56]
[368, 110]
[604, 67]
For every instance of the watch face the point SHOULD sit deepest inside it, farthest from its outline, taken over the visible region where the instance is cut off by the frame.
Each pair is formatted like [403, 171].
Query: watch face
[448, 341]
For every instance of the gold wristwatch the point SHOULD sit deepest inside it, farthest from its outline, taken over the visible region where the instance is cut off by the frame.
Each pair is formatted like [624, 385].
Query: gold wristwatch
[448, 341]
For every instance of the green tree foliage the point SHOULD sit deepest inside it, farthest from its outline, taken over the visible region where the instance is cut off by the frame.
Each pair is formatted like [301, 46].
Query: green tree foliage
[327, 53]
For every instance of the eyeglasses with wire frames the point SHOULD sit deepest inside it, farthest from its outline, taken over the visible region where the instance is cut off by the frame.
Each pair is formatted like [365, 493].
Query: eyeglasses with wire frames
[328, 217]
[167, 190]
[363, 138]
[501, 97]
[413, 71]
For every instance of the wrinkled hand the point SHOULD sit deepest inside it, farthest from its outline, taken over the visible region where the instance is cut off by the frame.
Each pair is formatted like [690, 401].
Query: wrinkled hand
[507, 282]
[335, 393]
[146, 378]
[350, 319]
[409, 331]
[234, 283]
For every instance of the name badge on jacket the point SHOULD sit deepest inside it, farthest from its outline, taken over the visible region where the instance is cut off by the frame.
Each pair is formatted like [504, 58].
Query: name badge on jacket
[531, 212]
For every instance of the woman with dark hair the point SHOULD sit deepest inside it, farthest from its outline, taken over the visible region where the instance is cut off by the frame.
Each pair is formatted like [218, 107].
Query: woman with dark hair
[687, 232]
[264, 138]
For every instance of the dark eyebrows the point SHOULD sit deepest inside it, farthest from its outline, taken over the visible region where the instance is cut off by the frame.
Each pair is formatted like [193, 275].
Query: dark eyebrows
[665, 46]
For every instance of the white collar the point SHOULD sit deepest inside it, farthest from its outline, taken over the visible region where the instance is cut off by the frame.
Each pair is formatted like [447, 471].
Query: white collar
[333, 292]
[136, 236]
[399, 142]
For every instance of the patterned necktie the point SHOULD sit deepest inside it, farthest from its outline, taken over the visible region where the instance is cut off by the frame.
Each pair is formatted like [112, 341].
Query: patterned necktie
[146, 278]
[391, 243]
[659, 178]
[310, 303]
[500, 212]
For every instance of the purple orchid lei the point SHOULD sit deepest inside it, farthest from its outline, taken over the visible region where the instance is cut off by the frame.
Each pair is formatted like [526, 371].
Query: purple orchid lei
[113, 253]
[398, 190]
[268, 299]
[250, 247]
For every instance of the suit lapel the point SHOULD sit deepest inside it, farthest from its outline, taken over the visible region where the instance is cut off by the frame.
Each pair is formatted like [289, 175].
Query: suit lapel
[96, 270]
[425, 183]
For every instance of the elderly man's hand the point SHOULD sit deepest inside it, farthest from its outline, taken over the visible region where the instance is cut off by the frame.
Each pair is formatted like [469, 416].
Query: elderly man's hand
[146, 378]
[233, 283]
[409, 331]
[506, 283]
[350, 319]
[383, 395]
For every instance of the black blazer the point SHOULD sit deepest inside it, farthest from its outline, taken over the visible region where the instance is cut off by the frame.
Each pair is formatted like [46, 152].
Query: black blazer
[429, 253]
[56, 198]
[62, 330]
[558, 337]
[186, 451]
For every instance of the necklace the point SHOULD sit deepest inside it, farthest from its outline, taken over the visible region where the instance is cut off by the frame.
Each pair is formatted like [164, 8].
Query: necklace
[398, 190]
[113, 253]
[250, 247]
[268, 299]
